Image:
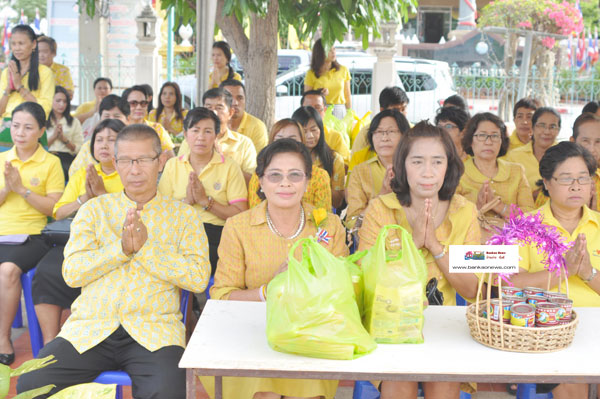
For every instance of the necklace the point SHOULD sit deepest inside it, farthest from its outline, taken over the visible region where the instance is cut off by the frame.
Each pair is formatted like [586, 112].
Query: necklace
[296, 234]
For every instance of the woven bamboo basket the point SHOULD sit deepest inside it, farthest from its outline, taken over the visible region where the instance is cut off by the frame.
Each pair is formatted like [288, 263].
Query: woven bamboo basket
[498, 335]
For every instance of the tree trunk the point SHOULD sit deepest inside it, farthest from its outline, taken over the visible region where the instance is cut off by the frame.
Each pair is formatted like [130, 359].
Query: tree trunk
[258, 56]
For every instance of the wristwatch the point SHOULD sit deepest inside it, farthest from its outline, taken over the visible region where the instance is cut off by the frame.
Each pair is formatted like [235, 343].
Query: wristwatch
[27, 193]
[591, 277]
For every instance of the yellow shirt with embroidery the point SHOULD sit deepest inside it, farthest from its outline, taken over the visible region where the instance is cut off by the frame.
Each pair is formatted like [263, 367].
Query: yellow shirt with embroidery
[43, 175]
[176, 123]
[44, 93]
[84, 156]
[76, 186]
[255, 130]
[460, 227]
[542, 199]
[336, 142]
[318, 193]
[235, 146]
[139, 292]
[85, 108]
[222, 179]
[579, 291]
[236, 76]
[510, 184]
[333, 80]
[364, 184]
[338, 179]
[524, 156]
[62, 76]
[514, 141]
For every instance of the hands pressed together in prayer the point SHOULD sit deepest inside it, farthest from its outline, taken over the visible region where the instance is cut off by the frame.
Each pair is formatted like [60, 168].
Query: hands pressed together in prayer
[135, 233]
[423, 226]
[486, 195]
[195, 193]
[12, 180]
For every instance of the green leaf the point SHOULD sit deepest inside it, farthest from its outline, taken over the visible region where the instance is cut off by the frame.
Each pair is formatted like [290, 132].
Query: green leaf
[347, 6]
[87, 391]
[35, 392]
[31, 365]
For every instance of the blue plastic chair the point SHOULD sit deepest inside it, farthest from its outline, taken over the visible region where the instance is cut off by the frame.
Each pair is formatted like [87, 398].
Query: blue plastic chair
[120, 377]
[527, 391]
[211, 282]
[366, 390]
[35, 333]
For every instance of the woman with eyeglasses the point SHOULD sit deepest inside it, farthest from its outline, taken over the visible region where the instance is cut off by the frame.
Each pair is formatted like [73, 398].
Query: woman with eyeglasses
[566, 170]
[254, 249]
[546, 126]
[318, 193]
[373, 177]
[209, 181]
[453, 120]
[426, 170]
[488, 179]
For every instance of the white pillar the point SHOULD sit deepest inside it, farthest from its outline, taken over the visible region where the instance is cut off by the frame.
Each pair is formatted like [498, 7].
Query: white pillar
[384, 70]
[206, 11]
[466, 15]
[148, 64]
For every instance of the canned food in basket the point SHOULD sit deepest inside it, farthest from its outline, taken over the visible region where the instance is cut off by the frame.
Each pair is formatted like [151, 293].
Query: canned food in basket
[566, 305]
[535, 299]
[512, 291]
[546, 314]
[553, 294]
[495, 309]
[522, 315]
[533, 291]
[514, 299]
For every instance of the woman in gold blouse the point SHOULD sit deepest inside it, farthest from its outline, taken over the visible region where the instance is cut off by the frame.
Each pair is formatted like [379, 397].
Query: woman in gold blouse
[427, 169]
[254, 249]
[318, 193]
[372, 178]
[489, 179]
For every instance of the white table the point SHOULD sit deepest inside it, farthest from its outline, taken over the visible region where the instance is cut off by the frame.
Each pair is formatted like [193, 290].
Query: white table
[230, 340]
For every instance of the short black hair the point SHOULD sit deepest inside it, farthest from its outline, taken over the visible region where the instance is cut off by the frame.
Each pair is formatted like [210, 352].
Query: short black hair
[233, 82]
[457, 101]
[541, 111]
[111, 101]
[526, 102]
[456, 115]
[454, 170]
[471, 128]
[218, 92]
[131, 89]
[392, 95]
[282, 146]
[314, 92]
[581, 119]
[102, 79]
[591, 107]
[398, 116]
[33, 109]
[199, 114]
[559, 153]
[113, 124]
[139, 131]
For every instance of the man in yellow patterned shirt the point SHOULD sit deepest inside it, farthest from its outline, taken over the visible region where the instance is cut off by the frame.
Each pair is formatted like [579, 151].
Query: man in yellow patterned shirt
[130, 252]
[47, 51]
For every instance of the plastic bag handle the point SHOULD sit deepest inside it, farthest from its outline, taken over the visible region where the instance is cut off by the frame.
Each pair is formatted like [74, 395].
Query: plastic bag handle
[383, 235]
[357, 256]
[308, 244]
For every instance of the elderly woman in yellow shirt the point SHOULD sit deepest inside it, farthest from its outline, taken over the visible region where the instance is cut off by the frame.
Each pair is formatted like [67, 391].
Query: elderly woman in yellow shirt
[487, 178]
[427, 169]
[209, 181]
[567, 169]
[318, 193]
[255, 247]
[372, 178]
[31, 181]
[50, 292]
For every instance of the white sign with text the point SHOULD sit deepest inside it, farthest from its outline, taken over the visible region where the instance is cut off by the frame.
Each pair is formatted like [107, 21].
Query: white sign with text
[484, 258]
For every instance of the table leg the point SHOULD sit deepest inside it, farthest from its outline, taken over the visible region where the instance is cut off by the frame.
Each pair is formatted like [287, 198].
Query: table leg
[219, 387]
[190, 384]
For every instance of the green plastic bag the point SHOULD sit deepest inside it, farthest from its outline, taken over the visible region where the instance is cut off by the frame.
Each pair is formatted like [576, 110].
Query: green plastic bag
[331, 122]
[356, 274]
[394, 290]
[311, 309]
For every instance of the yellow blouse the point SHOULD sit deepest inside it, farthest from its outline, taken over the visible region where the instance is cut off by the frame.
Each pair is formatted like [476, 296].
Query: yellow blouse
[176, 123]
[62, 76]
[44, 93]
[335, 141]
[364, 184]
[333, 80]
[579, 291]
[509, 183]
[318, 193]
[338, 180]
[460, 227]
[236, 76]
[514, 141]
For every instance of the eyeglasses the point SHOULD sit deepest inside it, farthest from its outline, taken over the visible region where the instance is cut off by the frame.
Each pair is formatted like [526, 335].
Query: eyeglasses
[448, 126]
[543, 126]
[277, 177]
[388, 133]
[134, 103]
[142, 162]
[483, 137]
[567, 181]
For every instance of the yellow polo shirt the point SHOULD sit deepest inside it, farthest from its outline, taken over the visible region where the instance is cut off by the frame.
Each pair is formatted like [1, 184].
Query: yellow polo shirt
[76, 186]
[255, 130]
[235, 146]
[43, 175]
[334, 80]
[336, 142]
[524, 156]
[510, 184]
[85, 108]
[44, 93]
[514, 141]
[222, 179]
[62, 76]
[579, 291]
[141, 291]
